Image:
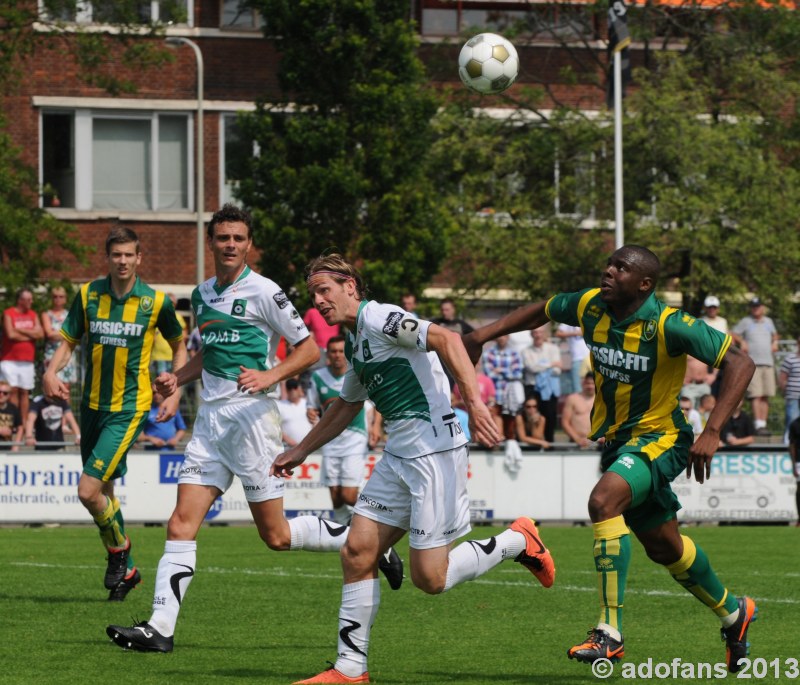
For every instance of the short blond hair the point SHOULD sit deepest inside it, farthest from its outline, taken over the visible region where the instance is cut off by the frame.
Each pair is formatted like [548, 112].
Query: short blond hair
[339, 269]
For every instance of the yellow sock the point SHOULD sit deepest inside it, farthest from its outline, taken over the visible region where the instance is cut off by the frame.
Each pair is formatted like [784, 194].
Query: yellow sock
[111, 534]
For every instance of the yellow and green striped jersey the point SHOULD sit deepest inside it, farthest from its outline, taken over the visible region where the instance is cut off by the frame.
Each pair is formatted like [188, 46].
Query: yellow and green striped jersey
[120, 336]
[639, 364]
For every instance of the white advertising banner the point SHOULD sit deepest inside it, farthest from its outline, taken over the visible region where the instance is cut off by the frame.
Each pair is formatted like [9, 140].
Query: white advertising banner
[41, 487]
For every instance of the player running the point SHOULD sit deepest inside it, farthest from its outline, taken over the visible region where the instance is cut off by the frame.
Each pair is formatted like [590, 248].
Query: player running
[119, 314]
[638, 350]
[237, 432]
[420, 484]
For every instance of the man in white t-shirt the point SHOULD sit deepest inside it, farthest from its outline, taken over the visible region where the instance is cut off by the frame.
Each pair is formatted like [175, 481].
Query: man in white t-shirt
[419, 487]
[294, 414]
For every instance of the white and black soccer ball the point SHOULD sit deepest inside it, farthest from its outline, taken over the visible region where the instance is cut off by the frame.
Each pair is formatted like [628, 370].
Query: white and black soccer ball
[488, 63]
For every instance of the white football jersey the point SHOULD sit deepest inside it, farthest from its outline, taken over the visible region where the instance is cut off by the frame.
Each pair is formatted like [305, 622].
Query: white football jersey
[240, 325]
[390, 364]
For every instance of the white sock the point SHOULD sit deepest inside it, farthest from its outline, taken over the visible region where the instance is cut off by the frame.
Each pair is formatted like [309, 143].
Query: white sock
[343, 514]
[473, 558]
[730, 619]
[360, 602]
[759, 423]
[613, 632]
[175, 572]
[317, 534]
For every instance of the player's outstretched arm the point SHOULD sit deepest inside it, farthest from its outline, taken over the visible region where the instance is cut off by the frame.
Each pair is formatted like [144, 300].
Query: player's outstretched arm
[333, 422]
[449, 347]
[522, 319]
[738, 369]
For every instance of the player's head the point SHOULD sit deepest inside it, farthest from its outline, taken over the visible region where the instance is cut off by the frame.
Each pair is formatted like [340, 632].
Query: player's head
[339, 269]
[630, 274]
[230, 213]
[335, 354]
[121, 235]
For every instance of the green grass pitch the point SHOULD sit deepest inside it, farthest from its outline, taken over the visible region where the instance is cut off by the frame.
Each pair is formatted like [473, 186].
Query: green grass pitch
[256, 616]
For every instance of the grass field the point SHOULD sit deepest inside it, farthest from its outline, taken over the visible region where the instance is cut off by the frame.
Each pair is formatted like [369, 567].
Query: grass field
[255, 616]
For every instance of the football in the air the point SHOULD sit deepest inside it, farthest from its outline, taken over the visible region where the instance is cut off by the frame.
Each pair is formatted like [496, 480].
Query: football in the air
[488, 63]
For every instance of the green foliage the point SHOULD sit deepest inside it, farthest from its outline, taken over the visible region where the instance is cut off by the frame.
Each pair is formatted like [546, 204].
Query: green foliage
[346, 169]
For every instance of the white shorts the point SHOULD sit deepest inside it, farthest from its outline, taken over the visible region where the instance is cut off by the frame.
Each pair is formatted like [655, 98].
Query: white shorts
[347, 471]
[18, 374]
[238, 437]
[427, 496]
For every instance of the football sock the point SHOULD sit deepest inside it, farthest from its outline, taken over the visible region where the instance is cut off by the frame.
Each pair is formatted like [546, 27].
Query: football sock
[175, 572]
[473, 558]
[612, 557]
[360, 603]
[112, 535]
[343, 514]
[315, 534]
[121, 523]
[694, 572]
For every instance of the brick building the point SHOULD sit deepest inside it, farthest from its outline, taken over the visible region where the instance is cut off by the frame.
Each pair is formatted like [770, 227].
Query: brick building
[133, 158]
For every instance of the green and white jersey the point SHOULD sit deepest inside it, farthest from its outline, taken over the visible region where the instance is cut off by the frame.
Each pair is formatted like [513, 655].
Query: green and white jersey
[639, 364]
[391, 365]
[324, 389]
[240, 325]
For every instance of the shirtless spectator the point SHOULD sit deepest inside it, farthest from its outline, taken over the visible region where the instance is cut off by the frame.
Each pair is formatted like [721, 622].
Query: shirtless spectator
[698, 380]
[576, 416]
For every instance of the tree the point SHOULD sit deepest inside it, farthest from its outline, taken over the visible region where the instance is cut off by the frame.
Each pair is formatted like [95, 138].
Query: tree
[345, 167]
[28, 234]
[711, 166]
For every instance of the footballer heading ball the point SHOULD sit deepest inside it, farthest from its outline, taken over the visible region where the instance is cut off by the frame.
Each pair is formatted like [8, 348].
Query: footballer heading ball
[488, 63]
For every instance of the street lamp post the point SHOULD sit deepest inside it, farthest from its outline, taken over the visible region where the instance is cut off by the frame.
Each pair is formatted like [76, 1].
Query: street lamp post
[199, 161]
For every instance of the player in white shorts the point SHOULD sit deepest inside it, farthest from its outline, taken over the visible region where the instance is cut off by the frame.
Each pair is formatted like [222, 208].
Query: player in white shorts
[420, 484]
[344, 457]
[240, 315]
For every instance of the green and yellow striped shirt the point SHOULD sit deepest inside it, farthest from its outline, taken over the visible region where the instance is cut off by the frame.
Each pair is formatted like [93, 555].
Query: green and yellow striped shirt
[639, 364]
[120, 336]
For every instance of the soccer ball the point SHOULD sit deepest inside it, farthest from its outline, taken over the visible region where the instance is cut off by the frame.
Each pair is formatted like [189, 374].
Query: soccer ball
[488, 63]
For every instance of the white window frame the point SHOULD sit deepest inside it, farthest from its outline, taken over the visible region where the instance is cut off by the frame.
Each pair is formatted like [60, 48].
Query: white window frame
[83, 142]
[83, 13]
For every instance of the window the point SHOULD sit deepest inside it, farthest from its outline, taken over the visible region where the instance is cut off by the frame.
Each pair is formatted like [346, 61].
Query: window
[103, 160]
[236, 16]
[115, 12]
[235, 151]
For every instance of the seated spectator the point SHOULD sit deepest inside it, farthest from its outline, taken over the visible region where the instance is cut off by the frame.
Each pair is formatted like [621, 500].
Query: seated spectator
[10, 421]
[530, 425]
[576, 416]
[45, 423]
[707, 404]
[164, 435]
[739, 430]
[295, 424]
[692, 415]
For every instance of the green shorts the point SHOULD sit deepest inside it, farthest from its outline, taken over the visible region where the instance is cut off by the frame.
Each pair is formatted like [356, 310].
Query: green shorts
[653, 501]
[106, 437]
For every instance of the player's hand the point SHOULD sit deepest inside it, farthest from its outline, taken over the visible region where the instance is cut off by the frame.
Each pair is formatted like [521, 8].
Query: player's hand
[482, 426]
[168, 408]
[54, 388]
[474, 349]
[166, 384]
[285, 463]
[700, 455]
[251, 381]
